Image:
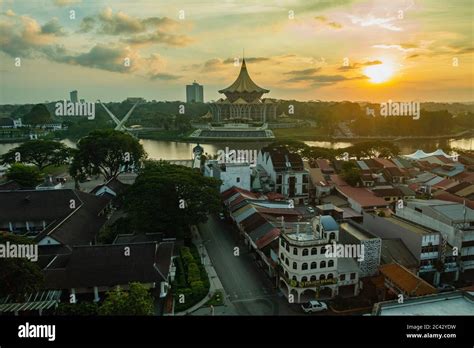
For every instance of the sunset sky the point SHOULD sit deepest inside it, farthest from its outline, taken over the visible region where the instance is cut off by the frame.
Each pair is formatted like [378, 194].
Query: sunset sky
[406, 50]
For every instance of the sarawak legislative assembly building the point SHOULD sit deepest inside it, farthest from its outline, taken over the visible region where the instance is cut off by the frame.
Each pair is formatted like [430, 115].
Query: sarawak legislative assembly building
[243, 114]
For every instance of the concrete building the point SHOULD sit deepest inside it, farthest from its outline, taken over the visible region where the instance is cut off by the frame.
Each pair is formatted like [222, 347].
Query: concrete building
[423, 243]
[286, 171]
[353, 233]
[231, 174]
[307, 272]
[454, 221]
[447, 304]
[73, 96]
[194, 93]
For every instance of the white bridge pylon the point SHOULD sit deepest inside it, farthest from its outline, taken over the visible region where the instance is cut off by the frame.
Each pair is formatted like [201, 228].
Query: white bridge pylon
[120, 124]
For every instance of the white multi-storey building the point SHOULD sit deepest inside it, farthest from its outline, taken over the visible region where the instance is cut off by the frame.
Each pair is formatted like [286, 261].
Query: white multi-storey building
[286, 171]
[231, 174]
[307, 272]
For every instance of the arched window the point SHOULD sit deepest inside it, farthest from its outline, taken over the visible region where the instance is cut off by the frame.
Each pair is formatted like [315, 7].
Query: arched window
[314, 265]
[305, 252]
[322, 264]
[332, 235]
[294, 278]
[330, 263]
[295, 266]
[323, 250]
[314, 251]
[330, 276]
[282, 242]
[304, 279]
[304, 266]
[313, 278]
[322, 277]
[287, 262]
[295, 251]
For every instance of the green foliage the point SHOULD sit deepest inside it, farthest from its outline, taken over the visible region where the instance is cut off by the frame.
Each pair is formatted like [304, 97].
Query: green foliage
[18, 276]
[351, 176]
[80, 308]
[25, 176]
[38, 114]
[105, 152]
[108, 233]
[153, 201]
[136, 301]
[41, 153]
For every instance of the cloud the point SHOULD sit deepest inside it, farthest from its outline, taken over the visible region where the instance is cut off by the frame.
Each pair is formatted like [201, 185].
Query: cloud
[62, 3]
[400, 47]
[304, 72]
[53, 27]
[319, 80]
[323, 20]
[357, 65]
[164, 76]
[141, 31]
[248, 60]
[370, 20]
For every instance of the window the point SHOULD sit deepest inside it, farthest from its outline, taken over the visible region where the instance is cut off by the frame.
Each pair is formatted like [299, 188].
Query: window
[305, 252]
[305, 179]
[322, 264]
[287, 247]
[314, 251]
[342, 277]
[332, 235]
[282, 242]
[330, 263]
[295, 266]
[295, 251]
[353, 276]
[304, 266]
[314, 265]
[313, 278]
[287, 262]
[282, 256]
[279, 180]
[304, 279]
[330, 276]
[323, 250]
[237, 179]
[322, 277]
[287, 275]
[294, 278]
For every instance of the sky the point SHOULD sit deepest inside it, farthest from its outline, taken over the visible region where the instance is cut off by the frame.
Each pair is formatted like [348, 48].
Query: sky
[330, 50]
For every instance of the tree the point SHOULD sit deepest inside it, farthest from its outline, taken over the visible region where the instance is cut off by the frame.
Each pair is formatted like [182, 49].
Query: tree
[351, 176]
[169, 198]
[18, 276]
[105, 152]
[25, 176]
[136, 301]
[41, 153]
[38, 114]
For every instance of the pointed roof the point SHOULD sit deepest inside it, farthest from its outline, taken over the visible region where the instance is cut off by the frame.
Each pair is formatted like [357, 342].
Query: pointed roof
[243, 83]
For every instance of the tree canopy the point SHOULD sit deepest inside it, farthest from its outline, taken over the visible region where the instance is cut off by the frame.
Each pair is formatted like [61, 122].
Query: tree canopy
[25, 176]
[41, 153]
[38, 114]
[136, 301]
[18, 276]
[106, 152]
[169, 198]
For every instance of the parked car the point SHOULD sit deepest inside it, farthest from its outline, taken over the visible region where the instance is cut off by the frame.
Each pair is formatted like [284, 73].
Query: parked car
[221, 216]
[445, 288]
[310, 209]
[314, 306]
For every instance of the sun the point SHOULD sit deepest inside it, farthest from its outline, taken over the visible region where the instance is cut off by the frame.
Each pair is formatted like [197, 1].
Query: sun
[379, 73]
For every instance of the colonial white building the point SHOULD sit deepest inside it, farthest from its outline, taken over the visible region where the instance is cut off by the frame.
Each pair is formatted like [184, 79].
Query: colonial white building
[307, 272]
[286, 171]
[231, 174]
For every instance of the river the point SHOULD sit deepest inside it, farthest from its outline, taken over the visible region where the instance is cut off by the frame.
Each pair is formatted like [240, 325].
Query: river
[168, 150]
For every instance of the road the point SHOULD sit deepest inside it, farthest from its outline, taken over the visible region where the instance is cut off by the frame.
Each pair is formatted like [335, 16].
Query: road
[248, 288]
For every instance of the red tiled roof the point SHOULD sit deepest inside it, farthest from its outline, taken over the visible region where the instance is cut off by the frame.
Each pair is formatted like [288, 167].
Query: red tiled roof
[325, 166]
[385, 163]
[406, 281]
[268, 238]
[337, 180]
[362, 196]
[274, 196]
[446, 196]
[444, 184]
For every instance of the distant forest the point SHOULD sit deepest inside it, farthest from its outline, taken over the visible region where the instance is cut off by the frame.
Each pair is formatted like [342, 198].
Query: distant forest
[435, 118]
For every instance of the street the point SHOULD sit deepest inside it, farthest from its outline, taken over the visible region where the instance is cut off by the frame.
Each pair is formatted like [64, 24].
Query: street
[248, 288]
